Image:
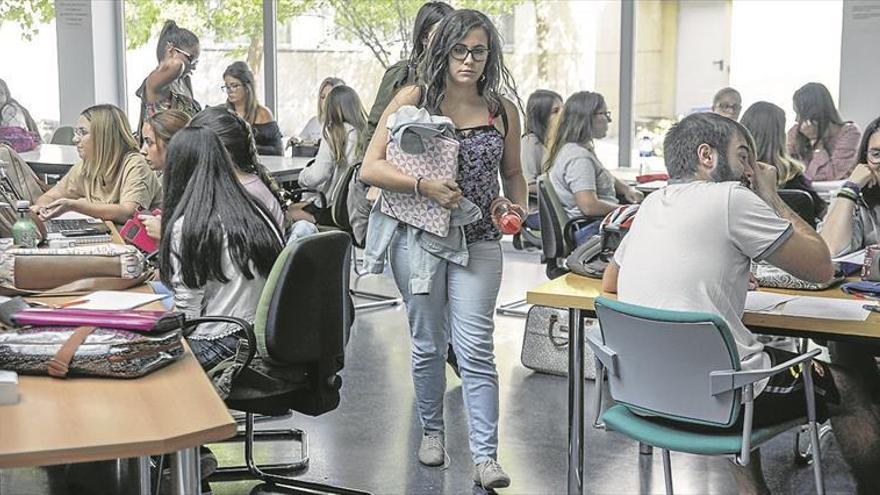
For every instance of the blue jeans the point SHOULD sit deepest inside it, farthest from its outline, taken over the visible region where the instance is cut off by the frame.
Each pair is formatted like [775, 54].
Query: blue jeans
[210, 353]
[582, 234]
[460, 307]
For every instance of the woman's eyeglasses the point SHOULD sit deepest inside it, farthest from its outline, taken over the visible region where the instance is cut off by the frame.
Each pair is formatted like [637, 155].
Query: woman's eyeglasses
[80, 132]
[230, 88]
[606, 114]
[874, 156]
[461, 52]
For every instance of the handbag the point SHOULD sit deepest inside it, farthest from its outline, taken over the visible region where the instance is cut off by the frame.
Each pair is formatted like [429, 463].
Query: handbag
[87, 351]
[545, 343]
[76, 269]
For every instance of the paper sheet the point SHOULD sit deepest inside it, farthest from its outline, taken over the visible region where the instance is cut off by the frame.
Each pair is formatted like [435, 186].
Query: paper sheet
[116, 300]
[856, 258]
[762, 302]
[827, 308]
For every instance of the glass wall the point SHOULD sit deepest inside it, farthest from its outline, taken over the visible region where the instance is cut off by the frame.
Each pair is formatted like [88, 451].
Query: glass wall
[31, 72]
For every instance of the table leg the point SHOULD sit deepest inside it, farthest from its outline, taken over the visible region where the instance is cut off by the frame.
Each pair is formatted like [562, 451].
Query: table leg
[575, 402]
[185, 475]
[144, 480]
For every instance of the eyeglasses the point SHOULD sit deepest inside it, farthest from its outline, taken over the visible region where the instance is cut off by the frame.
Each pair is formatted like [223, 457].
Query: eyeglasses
[730, 107]
[230, 88]
[606, 113]
[874, 156]
[193, 62]
[460, 52]
[80, 132]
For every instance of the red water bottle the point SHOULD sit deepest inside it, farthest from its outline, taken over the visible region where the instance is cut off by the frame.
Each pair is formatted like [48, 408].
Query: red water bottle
[507, 216]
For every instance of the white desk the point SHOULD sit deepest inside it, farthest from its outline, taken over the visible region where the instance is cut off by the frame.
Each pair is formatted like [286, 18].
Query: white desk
[53, 159]
[285, 168]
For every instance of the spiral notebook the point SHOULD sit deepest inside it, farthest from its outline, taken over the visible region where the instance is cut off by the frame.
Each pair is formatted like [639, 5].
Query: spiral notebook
[439, 161]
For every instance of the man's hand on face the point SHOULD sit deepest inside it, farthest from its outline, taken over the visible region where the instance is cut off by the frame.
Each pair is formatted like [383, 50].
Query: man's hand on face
[763, 179]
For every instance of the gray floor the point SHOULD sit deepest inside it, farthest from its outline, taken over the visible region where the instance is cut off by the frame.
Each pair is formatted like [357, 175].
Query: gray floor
[369, 442]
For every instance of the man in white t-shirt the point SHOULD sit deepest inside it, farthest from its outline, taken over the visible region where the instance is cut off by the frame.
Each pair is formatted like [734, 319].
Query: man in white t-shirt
[691, 245]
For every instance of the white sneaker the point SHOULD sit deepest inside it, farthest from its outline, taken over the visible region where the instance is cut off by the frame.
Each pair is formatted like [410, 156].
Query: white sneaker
[489, 475]
[431, 451]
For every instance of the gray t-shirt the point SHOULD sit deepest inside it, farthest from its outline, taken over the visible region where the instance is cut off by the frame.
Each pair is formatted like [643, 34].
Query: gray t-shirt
[532, 157]
[577, 169]
[690, 249]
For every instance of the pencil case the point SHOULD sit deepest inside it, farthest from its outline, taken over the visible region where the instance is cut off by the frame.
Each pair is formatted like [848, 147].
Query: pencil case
[33, 269]
[138, 321]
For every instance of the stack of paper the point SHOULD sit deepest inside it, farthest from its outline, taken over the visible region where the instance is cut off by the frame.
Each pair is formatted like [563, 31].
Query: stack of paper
[827, 308]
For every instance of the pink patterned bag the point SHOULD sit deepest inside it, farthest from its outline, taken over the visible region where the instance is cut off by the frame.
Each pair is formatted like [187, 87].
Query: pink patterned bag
[439, 161]
[20, 139]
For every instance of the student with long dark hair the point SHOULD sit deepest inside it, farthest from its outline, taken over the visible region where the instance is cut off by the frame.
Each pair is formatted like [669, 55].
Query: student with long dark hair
[542, 107]
[168, 85]
[462, 76]
[584, 186]
[112, 180]
[766, 122]
[221, 243]
[241, 97]
[344, 121]
[238, 139]
[821, 139]
[404, 72]
[853, 223]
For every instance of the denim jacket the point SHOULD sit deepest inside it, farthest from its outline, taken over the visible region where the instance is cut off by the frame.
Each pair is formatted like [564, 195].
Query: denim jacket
[426, 250]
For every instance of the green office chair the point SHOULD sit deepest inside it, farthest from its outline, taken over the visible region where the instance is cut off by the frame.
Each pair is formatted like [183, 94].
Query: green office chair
[669, 371]
[295, 352]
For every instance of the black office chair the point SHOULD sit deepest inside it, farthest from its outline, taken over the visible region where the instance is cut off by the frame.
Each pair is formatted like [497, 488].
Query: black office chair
[295, 352]
[801, 203]
[62, 135]
[557, 230]
[339, 212]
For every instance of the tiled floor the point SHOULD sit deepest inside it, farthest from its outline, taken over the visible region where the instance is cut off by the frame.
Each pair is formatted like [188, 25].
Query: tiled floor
[370, 441]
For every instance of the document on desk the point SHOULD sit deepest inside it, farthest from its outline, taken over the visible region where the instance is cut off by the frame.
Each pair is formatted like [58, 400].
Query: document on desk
[114, 300]
[856, 258]
[766, 302]
[827, 308]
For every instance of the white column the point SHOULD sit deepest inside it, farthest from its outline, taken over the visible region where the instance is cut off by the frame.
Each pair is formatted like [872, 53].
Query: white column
[859, 70]
[91, 55]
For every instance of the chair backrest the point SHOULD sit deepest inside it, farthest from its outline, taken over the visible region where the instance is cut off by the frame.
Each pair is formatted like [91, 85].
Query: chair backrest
[304, 315]
[664, 359]
[339, 208]
[553, 218]
[62, 135]
[801, 203]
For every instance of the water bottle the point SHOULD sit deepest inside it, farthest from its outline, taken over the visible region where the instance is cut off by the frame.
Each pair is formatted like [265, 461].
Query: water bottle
[646, 150]
[506, 216]
[25, 232]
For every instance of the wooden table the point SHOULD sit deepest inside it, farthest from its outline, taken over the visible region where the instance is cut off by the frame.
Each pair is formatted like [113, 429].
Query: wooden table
[51, 159]
[577, 294]
[174, 409]
[285, 168]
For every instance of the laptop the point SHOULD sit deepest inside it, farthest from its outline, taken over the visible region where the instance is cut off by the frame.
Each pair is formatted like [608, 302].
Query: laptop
[76, 227]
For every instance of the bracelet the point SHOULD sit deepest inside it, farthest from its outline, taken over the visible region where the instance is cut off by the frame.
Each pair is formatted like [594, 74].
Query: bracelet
[416, 188]
[853, 186]
[845, 192]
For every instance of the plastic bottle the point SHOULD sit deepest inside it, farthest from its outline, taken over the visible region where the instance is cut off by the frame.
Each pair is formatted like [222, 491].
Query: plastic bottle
[25, 232]
[506, 216]
[646, 150]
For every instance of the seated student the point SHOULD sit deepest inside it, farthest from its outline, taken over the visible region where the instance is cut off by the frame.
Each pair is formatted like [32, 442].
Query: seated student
[821, 139]
[13, 114]
[315, 126]
[169, 85]
[344, 120]
[238, 139]
[707, 228]
[222, 242]
[112, 180]
[766, 122]
[583, 185]
[542, 107]
[727, 102]
[238, 83]
[156, 133]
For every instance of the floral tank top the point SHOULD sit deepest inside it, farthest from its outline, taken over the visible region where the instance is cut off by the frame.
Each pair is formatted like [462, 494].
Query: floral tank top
[479, 159]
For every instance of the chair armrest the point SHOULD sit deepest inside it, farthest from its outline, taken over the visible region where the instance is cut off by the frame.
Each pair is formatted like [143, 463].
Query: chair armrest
[248, 329]
[603, 353]
[572, 225]
[727, 380]
[296, 194]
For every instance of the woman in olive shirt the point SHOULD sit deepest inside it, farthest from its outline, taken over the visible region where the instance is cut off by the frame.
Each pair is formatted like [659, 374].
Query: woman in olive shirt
[112, 180]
